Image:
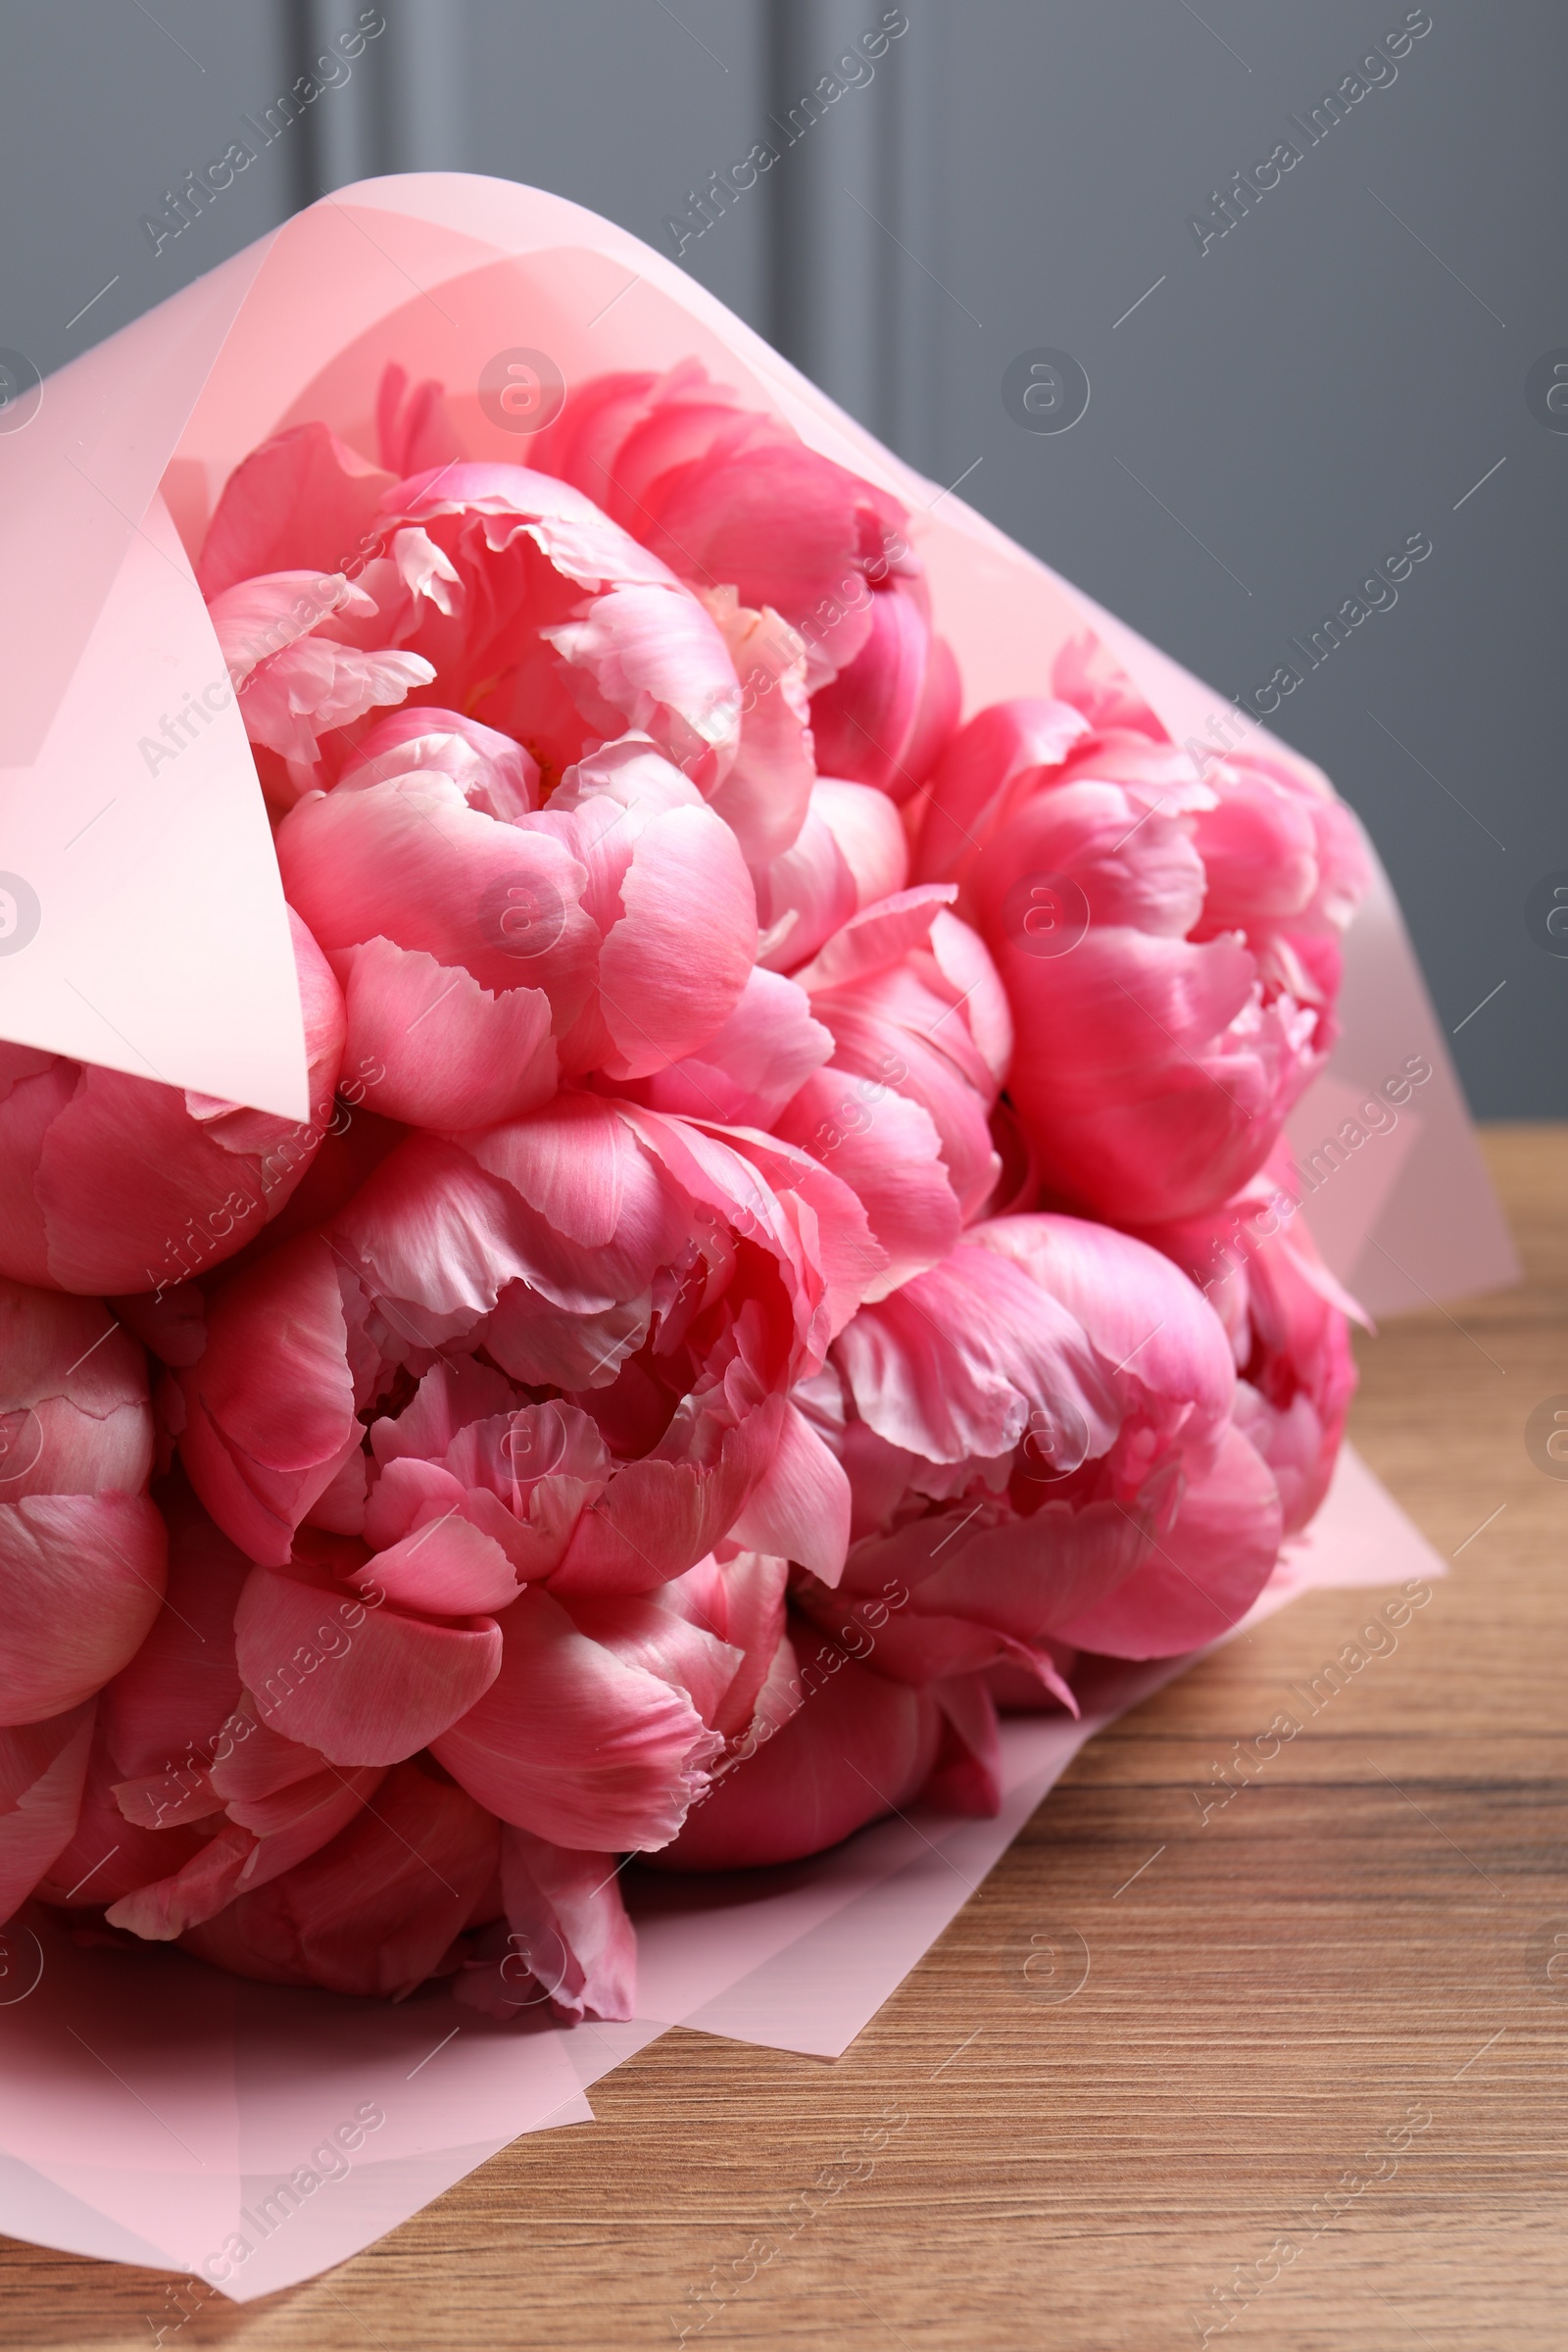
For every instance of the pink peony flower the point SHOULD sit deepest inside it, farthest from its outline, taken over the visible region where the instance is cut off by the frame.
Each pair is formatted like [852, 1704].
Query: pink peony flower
[509, 592]
[733, 500]
[110, 1183]
[486, 949]
[668, 1284]
[1046, 1453]
[1168, 941]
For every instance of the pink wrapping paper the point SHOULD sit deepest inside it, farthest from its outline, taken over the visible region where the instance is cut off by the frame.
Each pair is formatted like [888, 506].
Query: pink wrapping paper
[161, 2113]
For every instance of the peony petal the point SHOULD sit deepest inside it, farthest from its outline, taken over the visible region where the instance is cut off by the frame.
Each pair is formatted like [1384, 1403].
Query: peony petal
[493, 773]
[42, 1770]
[967, 1776]
[410, 860]
[304, 497]
[574, 1744]
[859, 1747]
[656, 657]
[753, 1066]
[81, 1580]
[437, 1050]
[801, 1511]
[374, 1912]
[74, 1417]
[1204, 1574]
[960, 1365]
[271, 1406]
[888, 1150]
[361, 1682]
[446, 1569]
[981, 773]
[671, 971]
[767, 791]
[568, 1939]
[183, 1681]
[863, 720]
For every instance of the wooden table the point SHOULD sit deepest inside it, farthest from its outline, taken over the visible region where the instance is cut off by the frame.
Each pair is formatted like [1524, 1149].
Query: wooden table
[1363, 1938]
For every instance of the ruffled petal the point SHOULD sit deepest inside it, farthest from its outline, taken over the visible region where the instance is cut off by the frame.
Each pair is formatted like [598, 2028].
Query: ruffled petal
[858, 1748]
[434, 1048]
[753, 1066]
[565, 1938]
[801, 1511]
[301, 498]
[1202, 1575]
[576, 1745]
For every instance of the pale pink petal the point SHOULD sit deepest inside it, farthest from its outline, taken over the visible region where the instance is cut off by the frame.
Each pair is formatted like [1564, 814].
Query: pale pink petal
[317, 685]
[671, 971]
[437, 1050]
[954, 1365]
[494, 774]
[869, 833]
[765, 795]
[304, 497]
[801, 1511]
[888, 1152]
[257, 619]
[410, 861]
[753, 1066]
[877, 936]
[659, 659]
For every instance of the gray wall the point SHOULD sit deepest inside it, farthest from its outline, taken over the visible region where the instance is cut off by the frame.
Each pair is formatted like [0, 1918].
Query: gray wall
[1336, 372]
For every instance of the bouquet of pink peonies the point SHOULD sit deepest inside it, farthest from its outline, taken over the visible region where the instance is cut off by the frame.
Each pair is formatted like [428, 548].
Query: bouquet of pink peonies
[779, 1264]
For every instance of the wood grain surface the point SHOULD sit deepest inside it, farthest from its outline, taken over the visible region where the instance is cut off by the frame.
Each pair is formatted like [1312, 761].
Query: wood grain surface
[1363, 1938]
